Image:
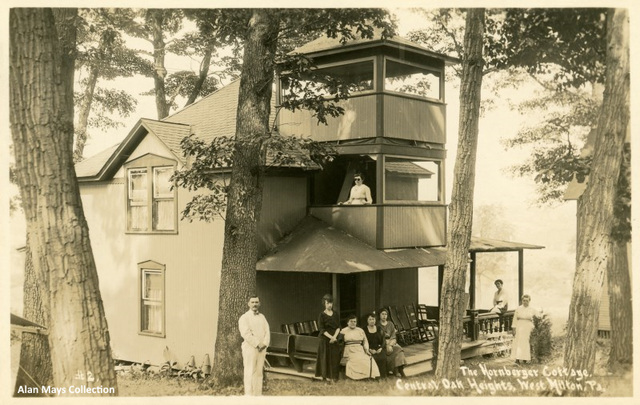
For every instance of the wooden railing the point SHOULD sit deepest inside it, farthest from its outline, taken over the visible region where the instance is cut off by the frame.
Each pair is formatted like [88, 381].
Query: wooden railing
[400, 225]
[476, 323]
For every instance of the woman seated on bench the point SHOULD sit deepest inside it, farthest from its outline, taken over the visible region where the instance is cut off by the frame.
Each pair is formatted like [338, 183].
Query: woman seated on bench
[395, 355]
[359, 363]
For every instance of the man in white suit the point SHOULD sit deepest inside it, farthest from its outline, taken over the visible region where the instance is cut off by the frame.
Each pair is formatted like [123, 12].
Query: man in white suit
[255, 332]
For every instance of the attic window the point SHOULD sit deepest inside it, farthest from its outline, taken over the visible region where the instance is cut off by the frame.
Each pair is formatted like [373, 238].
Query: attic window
[151, 202]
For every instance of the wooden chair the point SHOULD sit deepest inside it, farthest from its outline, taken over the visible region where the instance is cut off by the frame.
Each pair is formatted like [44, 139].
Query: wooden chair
[290, 328]
[418, 331]
[429, 323]
[403, 333]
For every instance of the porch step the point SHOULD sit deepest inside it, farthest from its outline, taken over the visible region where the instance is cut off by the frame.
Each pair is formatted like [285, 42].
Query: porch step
[289, 373]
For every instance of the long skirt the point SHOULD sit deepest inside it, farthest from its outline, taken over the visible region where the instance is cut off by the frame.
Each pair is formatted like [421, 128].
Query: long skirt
[359, 365]
[328, 364]
[395, 358]
[520, 349]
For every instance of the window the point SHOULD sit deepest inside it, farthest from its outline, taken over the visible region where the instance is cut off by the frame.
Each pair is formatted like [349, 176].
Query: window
[409, 179]
[358, 75]
[412, 79]
[163, 199]
[151, 202]
[152, 298]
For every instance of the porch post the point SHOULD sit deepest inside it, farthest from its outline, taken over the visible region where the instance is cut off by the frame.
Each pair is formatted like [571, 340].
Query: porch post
[520, 274]
[472, 282]
[334, 290]
[440, 277]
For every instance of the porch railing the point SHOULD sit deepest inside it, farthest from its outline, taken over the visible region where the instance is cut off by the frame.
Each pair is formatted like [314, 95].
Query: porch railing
[477, 323]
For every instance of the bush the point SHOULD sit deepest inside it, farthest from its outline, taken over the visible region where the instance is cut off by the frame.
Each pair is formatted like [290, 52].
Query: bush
[541, 337]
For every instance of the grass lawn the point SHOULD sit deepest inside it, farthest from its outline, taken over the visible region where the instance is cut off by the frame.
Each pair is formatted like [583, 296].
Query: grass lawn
[495, 376]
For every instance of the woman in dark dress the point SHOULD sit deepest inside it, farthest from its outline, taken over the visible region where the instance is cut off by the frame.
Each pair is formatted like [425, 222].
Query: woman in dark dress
[376, 344]
[328, 364]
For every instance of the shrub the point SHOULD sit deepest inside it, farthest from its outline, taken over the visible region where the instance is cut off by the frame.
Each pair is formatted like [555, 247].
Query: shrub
[541, 337]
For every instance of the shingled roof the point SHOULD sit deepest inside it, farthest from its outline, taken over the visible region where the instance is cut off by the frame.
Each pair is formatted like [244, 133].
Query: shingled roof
[210, 117]
[325, 44]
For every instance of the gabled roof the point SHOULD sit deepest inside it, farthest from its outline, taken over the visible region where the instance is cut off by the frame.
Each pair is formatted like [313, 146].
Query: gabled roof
[104, 165]
[326, 45]
[91, 166]
[210, 117]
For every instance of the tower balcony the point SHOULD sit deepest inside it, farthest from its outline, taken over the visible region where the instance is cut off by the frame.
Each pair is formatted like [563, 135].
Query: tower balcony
[389, 226]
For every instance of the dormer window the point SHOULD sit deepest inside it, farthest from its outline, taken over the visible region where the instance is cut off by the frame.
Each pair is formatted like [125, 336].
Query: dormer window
[151, 202]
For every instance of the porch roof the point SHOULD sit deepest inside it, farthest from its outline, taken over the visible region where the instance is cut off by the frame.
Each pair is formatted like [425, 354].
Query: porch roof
[494, 245]
[315, 246]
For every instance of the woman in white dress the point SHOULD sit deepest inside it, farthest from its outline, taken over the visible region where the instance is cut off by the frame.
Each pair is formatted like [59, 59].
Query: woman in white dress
[522, 327]
[359, 363]
[360, 193]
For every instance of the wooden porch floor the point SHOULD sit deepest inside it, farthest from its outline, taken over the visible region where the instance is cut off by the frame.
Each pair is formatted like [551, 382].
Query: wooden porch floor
[418, 356]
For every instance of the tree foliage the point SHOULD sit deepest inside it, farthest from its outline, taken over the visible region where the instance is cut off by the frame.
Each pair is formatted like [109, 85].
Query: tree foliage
[570, 38]
[212, 162]
[304, 88]
[259, 32]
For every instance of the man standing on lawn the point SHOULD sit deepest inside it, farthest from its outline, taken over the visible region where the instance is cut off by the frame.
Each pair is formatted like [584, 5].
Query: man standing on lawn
[255, 332]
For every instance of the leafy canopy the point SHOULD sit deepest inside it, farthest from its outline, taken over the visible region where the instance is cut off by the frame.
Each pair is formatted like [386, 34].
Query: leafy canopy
[305, 88]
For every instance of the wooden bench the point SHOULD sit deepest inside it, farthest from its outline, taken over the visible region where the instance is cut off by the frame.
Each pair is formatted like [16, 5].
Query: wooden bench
[305, 348]
[281, 346]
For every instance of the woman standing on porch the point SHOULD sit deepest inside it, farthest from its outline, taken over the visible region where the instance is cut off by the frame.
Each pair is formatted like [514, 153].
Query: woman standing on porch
[395, 355]
[328, 364]
[522, 327]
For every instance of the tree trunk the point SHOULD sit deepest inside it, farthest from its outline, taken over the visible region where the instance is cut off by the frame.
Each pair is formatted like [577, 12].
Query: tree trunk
[83, 114]
[240, 252]
[160, 71]
[35, 359]
[41, 114]
[204, 71]
[620, 306]
[461, 207]
[595, 206]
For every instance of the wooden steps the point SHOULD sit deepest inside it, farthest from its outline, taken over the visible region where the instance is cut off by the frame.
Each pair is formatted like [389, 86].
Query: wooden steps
[418, 356]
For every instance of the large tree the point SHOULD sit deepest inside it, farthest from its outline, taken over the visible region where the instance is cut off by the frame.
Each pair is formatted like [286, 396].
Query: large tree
[261, 32]
[596, 205]
[563, 51]
[41, 116]
[452, 306]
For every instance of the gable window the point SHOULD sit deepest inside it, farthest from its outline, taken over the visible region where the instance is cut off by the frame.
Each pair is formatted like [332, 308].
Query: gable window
[152, 293]
[151, 202]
